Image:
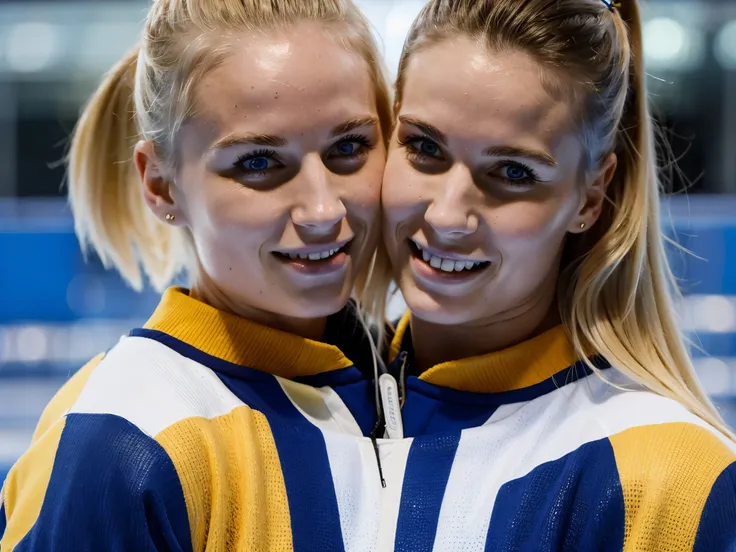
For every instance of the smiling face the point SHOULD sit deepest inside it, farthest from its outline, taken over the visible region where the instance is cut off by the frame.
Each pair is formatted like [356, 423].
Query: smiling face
[484, 180]
[280, 173]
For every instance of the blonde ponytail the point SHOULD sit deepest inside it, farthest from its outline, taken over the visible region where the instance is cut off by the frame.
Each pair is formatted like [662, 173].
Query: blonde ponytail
[625, 274]
[617, 291]
[110, 215]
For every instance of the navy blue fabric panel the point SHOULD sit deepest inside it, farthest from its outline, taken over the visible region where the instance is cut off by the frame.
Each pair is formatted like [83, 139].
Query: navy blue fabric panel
[2, 521]
[360, 399]
[217, 364]
[427, 472]
[424, 415]
[333, 378]
[356, 392]
[112, 488]
[571, 504]
[315, 518]
[717, 529]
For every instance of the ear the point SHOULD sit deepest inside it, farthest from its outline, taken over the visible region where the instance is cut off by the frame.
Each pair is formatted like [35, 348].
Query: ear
[156, 184]
[594, 194]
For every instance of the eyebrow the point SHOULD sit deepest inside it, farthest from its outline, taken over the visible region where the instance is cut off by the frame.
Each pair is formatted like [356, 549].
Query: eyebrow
[430, 130]
[492, 151]
[512, 151]
[353, 124]
[254, 139]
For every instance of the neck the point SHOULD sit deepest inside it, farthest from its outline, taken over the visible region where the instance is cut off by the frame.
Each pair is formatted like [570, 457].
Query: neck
[309, 328]
[437, 343]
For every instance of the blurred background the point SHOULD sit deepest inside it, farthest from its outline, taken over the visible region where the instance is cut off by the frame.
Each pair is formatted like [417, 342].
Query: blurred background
[58, 309]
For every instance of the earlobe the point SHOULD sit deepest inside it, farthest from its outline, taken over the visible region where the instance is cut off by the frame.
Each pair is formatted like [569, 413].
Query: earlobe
[156, 186]
[594, 195]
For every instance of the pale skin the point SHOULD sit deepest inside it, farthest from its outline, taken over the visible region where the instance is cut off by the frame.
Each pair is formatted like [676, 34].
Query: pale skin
[284, 156]
[485, 166]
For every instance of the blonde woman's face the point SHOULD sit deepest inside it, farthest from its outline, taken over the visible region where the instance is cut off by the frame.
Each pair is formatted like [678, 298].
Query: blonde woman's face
[281, 173]
[482, 184]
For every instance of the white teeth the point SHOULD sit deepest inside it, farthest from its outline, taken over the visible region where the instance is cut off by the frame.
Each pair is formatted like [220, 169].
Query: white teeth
[446, 265]
[313, 256]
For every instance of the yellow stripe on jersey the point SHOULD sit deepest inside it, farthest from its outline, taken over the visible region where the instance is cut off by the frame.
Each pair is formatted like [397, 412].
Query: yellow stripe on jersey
[26, 484]
[232, 482]
[65, 398]
[667, 472]
[241, 341]
[517, 367]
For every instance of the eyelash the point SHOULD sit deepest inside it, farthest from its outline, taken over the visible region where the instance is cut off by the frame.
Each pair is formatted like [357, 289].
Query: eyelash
[243, 159]
[360, 138]
[365, 143]
[415, 154]
[529, 180]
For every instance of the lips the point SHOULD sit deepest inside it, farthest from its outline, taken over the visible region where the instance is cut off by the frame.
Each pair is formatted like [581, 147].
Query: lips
[326, 254]
[315, 253]
[446, 262]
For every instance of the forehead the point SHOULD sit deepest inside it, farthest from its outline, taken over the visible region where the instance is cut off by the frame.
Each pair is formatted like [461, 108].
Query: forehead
[286, 82]
[467, 91]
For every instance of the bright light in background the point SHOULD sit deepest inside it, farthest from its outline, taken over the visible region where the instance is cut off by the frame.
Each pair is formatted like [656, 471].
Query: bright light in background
[32, 47]
[398, 23]
[32, 344]
[669, 45]
[725, 46]
[715, 375]
[714, 314]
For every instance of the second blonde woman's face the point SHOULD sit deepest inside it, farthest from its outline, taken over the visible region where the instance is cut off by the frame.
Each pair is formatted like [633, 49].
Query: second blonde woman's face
[281, 172]
[482, 184]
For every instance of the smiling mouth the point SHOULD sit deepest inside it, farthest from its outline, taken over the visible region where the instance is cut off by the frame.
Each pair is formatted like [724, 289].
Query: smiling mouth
[445, 264]
[321, 256]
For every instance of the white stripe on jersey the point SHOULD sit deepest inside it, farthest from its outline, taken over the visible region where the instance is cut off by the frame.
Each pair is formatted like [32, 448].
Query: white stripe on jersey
[518, 440]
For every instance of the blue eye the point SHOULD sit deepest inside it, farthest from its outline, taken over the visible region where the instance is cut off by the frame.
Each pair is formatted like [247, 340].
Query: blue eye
[429, 148]
[257, 164]
[347, 148]
[514, 172]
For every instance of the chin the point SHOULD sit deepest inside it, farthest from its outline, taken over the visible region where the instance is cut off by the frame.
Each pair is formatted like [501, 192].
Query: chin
[443, 311]
[318, 303]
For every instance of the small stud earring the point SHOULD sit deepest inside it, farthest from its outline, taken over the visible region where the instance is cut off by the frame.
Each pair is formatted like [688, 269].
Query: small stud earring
[582, 226]
[170, 217]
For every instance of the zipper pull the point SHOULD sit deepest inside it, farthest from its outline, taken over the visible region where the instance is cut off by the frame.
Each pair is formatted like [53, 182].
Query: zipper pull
[377, 429]
[391, 406]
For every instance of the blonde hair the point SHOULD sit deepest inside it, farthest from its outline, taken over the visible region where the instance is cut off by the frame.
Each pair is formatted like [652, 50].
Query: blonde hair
[616, 292]
[149, 94]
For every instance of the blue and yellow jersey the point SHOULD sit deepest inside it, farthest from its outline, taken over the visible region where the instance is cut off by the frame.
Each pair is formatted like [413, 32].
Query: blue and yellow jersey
[203, 431]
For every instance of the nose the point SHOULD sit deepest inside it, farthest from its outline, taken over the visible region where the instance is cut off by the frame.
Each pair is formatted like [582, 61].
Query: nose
[450, 212]
[319, 207]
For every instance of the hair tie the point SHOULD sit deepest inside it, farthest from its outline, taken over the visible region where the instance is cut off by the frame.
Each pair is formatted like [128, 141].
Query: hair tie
[611, 4]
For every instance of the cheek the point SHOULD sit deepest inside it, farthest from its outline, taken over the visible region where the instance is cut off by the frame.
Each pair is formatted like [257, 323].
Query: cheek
[531, 225]
[222, 208]
[361, 192]
[402, 188]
